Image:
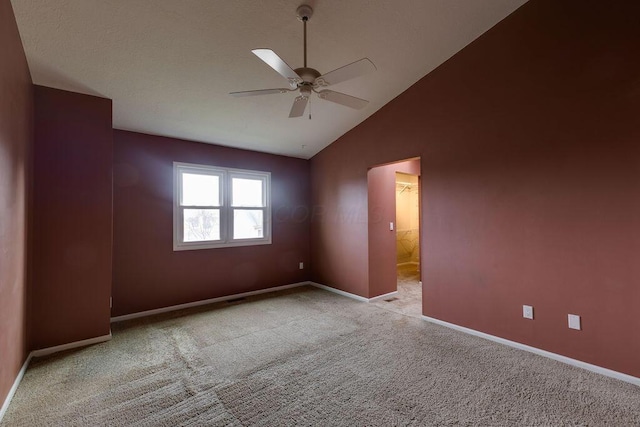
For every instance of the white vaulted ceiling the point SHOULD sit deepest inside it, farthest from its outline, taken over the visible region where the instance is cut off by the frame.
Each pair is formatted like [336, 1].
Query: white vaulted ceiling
[168, 65]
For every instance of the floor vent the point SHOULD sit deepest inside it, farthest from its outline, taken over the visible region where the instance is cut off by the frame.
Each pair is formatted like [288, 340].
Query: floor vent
[391, 299]
[231, 301]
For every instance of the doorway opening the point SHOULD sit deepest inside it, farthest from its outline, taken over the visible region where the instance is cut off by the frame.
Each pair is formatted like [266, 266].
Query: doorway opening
[394, 236]
[408, 242]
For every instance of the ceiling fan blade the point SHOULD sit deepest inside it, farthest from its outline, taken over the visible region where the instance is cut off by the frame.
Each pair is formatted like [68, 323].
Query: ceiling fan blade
[343, 99]
[298, 107]
[260, 92]
[348, 72]
[281, 67]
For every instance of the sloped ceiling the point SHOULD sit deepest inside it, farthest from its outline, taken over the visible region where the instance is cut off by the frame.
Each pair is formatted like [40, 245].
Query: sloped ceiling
[168, 65]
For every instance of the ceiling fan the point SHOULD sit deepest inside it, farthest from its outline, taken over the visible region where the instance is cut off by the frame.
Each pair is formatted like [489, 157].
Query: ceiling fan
[306, 80]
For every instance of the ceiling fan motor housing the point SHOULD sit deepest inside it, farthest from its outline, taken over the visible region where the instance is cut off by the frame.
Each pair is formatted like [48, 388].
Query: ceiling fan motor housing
[308, 75]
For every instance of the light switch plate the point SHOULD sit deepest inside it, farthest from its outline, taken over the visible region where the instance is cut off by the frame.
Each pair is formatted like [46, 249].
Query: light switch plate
[574, 322]
[527, 312]
[391, 226]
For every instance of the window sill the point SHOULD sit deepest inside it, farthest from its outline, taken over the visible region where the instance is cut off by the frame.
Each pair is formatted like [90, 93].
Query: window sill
[209, 245]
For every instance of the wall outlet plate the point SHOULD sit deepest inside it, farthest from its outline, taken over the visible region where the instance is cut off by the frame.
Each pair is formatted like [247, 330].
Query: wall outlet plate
[302, 266]
[527, 312]
[574, 322]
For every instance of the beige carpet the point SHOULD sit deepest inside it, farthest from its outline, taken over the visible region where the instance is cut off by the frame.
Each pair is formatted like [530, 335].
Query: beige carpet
[309, 357]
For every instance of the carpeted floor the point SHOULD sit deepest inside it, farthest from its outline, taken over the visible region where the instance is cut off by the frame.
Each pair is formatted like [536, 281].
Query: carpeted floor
[309, 357]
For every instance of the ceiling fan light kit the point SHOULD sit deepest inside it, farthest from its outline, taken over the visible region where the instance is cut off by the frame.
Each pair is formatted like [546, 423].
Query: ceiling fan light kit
[306, 80]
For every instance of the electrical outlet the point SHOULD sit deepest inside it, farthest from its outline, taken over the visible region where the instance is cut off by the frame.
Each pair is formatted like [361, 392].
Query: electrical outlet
[527, 312]
[574, 322]
[302, 266]
[391, 226]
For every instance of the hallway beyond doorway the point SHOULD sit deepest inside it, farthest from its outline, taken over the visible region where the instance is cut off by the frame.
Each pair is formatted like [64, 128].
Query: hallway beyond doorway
[408, 301]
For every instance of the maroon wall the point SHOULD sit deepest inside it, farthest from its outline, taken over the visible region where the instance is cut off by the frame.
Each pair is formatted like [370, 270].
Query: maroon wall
[72, 217]
[16, 121]
[530, 147]
[381, 196]
[148, 274]
[339, 218]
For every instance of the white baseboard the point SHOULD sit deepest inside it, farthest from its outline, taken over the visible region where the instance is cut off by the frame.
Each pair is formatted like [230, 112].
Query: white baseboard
[339, 292]
[564, 359]
[44, 352]
[381, 297]
[245, 294]
[353, 296]
[50, 350]
[14, 387]
[202, 302]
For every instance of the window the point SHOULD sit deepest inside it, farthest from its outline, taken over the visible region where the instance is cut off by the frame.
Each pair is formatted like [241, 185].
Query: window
[219, 207]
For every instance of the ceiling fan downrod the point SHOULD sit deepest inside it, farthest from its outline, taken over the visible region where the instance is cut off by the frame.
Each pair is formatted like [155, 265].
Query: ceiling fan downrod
[304, 13]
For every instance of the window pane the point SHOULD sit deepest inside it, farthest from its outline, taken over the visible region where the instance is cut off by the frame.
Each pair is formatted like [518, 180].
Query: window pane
[247, 192]
[201, 225]
[200, 190]
[248, 224]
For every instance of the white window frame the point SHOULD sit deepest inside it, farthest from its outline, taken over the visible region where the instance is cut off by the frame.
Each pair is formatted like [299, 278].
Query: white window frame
[226, 176]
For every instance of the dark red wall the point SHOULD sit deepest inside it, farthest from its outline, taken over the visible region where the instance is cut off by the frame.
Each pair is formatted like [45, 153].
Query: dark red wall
[530, 147]
[72, 217]
[148, 274]
[339, 222]
[16, 121]
[381, 196]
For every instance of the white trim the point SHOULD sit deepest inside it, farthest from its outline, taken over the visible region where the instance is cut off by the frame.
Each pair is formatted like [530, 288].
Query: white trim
[564, 359]
[45, 352]
[50, 350]
[353, 296]
[381, 297]
[14, 387]
[339, 292]
[203, 302]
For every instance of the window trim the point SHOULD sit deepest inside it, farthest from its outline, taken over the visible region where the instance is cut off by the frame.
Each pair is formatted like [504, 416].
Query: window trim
[226, 209]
